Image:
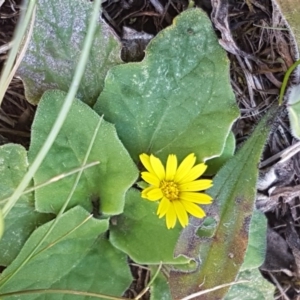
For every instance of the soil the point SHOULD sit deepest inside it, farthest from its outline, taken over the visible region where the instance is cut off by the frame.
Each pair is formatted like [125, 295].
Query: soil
[259, 59]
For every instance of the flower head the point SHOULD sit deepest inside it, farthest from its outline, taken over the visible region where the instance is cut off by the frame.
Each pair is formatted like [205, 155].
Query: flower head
[177, 188]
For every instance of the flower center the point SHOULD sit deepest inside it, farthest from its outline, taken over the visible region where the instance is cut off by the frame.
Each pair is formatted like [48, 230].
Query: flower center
[170, 190]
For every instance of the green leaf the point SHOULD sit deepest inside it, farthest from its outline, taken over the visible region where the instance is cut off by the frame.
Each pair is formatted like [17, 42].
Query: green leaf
[290, 10]
[215, 164]
[160, 289]
[1, 224]
[258, 288]
[106, 182]
[207, 228]
[103, 270]
[234, 196]
[257, 244]
[55, 46]
[22, 219]
[143, 236]
[61, 252]
[178, 99]
[293, 99]
[293, 108]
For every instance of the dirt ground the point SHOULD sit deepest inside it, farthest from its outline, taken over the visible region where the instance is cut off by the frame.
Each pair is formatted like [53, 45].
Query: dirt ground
[260, 55]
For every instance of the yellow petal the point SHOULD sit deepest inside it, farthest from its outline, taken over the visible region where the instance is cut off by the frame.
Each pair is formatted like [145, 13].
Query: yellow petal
[157, 167]
[145, 159]
[195, 197]
[171, 167]
[145, 191]
[193, 209]
[197, 185]
[171, 216]
[163, 207]
[181, 213]
[150, 178]
[185, 167]
[194, 173]
[152, 193]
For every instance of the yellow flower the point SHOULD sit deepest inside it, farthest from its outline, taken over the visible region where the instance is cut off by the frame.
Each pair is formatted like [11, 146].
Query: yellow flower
[175, 187]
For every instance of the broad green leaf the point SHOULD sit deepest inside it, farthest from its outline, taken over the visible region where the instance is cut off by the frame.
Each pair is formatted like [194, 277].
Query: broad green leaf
[293, 99]
[207, 228]
[256, 249]
[215, 164]
[105, 183]
[142, 235]
[64, 249]
[178, 99]
[234, 196]
[291, 11]
[1, 224]
[160, 289]
[22, 219]
[103, 270]
[258, 287]
[55, 46]
[293, 108]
